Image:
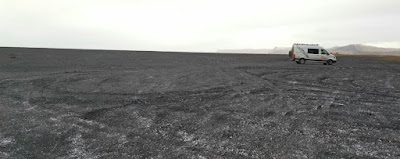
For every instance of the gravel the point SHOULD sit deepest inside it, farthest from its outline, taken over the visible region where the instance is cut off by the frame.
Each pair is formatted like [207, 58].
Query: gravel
[59, 103]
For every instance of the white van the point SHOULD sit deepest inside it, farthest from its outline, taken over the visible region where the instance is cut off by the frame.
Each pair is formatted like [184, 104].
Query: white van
[313, 52]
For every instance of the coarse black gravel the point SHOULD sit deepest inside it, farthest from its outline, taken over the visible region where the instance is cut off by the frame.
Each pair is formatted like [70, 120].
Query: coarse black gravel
[59, 103]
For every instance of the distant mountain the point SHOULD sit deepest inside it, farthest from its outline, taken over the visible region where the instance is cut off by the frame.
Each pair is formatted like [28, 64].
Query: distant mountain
[247, 51]
[275, 50]
[281, 50]
[358, 49]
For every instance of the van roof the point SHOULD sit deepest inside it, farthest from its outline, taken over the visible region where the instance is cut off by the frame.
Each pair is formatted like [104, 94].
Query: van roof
[306, 44]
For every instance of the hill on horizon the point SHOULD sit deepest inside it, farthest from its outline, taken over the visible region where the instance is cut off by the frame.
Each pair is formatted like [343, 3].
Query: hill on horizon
[359, 49]
[353, 49]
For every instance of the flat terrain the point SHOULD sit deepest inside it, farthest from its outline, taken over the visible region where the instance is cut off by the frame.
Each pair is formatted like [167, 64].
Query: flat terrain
[119, 104]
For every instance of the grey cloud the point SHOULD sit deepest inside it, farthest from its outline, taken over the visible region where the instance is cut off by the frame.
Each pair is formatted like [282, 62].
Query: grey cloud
[195, 25]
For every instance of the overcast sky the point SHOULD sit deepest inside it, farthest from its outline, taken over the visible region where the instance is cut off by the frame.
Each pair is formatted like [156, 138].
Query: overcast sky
[197, 25]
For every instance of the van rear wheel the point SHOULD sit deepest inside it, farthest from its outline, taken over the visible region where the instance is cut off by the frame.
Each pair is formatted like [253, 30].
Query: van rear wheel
[302, 61]
[330, 62]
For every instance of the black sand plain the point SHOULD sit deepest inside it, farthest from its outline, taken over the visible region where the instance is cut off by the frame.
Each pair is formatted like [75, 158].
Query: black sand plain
[60, 103]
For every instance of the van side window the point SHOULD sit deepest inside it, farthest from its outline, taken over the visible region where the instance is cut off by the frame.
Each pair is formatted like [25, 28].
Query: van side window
[313, 51]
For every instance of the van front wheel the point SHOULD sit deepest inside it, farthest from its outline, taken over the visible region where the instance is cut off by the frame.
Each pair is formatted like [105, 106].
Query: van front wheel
[330, 62]
[302, 61]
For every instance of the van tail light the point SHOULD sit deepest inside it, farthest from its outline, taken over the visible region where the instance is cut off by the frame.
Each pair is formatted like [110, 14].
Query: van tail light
[294, 55]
